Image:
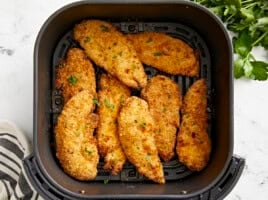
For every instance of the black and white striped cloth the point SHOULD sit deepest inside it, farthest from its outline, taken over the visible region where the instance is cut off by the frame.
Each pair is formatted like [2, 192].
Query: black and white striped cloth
[14, 147]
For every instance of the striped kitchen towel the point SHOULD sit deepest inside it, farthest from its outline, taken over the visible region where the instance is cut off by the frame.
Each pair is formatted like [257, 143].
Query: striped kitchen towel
[14, 184]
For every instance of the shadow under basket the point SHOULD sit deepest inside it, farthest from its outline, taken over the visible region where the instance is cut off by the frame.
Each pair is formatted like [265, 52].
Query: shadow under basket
[185, 20]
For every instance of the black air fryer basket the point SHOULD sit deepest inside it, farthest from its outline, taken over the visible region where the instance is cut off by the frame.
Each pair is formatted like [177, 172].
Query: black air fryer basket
[181, 19]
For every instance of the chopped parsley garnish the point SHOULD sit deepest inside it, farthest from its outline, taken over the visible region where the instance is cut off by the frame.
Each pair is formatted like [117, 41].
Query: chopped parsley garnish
[120, 53]
[104, 28]
[114, 56]
[157, 54]
[95, 101]
[106, 181]
[164, 110]
[108, 104]
[62, 64]
[88, 151]
[143, 124]
[149, 40]
[72, 79]
[87, 39]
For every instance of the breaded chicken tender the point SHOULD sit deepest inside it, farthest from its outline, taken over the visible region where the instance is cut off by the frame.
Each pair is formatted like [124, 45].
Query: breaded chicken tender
[112, 96]
[168, 54]
[74, 74]
[164, 99]
[136, 134]
[76, 147]
[193, 142]
[110, 49]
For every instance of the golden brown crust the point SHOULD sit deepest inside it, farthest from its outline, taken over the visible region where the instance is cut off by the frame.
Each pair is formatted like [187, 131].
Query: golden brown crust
[112, 96]
[193, 142]
[170, 55]
[136, 129]
[164, 99]
[110, 49]
[76, 146]
[74, 74]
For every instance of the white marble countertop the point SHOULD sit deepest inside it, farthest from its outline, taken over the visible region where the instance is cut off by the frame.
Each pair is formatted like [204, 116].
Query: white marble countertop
[20, 22]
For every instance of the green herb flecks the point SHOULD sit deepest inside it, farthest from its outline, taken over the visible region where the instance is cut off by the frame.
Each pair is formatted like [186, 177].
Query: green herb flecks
[248, 19]
[164, 110]
[114, 57]
[96, 102]
[88, 151]
[157, 54]
[106, 181]
[143, 124]
[120, 53]
[62, 64]
[108, 104]
[72, 80]
[104, 28]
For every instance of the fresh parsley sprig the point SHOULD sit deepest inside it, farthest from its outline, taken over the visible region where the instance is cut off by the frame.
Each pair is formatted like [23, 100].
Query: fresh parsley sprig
[249, 20]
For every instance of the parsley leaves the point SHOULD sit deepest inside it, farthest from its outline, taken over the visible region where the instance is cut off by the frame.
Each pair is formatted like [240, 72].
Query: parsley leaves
[72, 80]
[108, 104]
[88, 151]
[96, 102]
[248, 19]
[104, 28]
[106, 181]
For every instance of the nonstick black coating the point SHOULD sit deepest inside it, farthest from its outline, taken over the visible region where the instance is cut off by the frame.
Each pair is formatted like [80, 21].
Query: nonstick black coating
[205, 33]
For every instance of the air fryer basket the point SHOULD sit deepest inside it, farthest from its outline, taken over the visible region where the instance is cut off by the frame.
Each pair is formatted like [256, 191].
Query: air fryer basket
[181, 19]
[173, 170]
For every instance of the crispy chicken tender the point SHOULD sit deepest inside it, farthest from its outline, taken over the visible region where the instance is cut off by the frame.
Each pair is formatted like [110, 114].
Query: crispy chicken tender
[193, 142]
[110, 49]
[112, 96]
[164, 99]
[136, 134]
[76, 147]
[74, 74]
[170, 55]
